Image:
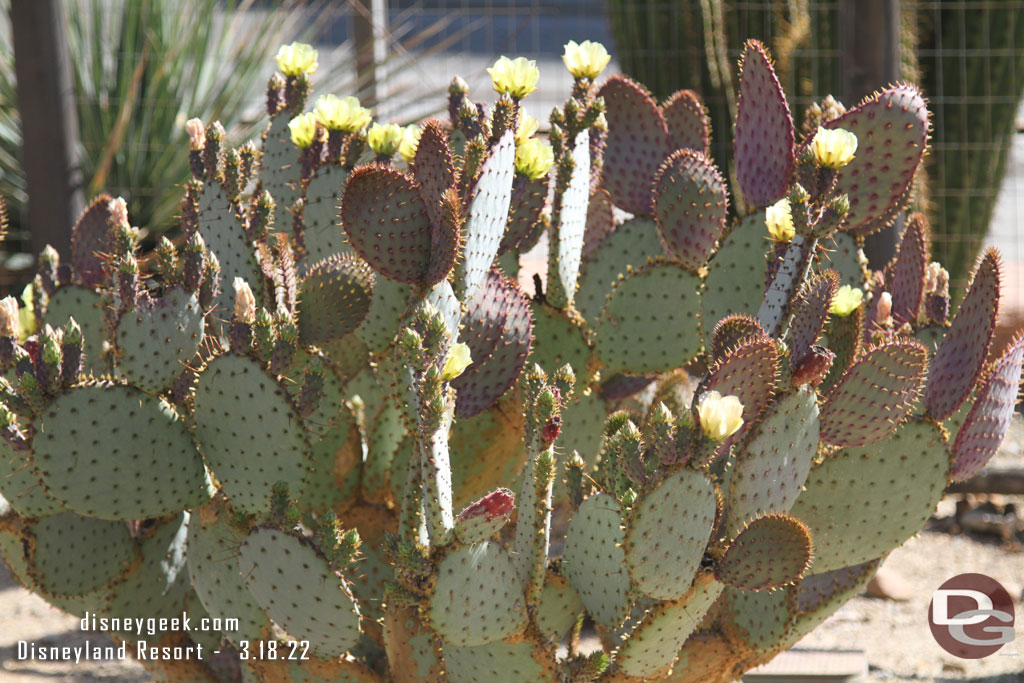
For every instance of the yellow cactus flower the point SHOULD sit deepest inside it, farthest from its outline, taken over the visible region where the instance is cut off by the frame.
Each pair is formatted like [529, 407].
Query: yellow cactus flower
[410, 142]
[303, 128]
[534, 158]
[385, 139]
[296, 59]
[245, 302]
[527, 126]
[779, 219]
[720, 416]
[196, 134]
[586, 59]
[457, 362]
[341, 113]
[518, 77]
[834, 148]
[846, 301]
[26, 318]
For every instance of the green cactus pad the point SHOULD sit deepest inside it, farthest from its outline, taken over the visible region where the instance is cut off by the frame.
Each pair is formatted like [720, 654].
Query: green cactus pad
[771, 467]
[557, 339]
[906, 470]
[874, 395]
[772, 551]
[21, 484]
[508, 662]
[650, 322]
[386, 434]
[632, 243]
[498, 330]
[691, 204]
[248, 432]
[387, 303]
[820, 595]
[433, 168]
[146, 465]
[594, 561]
[524, 211]
[280, 169]
[810, 311]
[600, 220]
[213, 566]
[334, 299]
[667, 533]
[759, 620]
[478, 598]
[90, 241]
[387, 223]
[299, 591]
[736, 273]
[687, 121]
[732, 331]
[12, 552]
[69, 555]
[908, 271]
[322, 235]
[86, 307]
[892, 134]
[155, 340]
[158, 586]
[842, 253]
[747, 372]
[558, 608]
[763, 146]
[571, 228]
[985, 426]
[486, 217]
[413, 650]
[961, 355]
[582, 422]
[483, 518]
[652, 647]
[638, 141]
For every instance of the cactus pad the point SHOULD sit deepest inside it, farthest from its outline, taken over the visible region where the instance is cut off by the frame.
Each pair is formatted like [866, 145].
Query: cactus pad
[508, 662]
[820, 595]
[758, 620]
[631, 244]
[733, 330]
[557, 339]
[146, 466]
[387, 222]
[213, 566]
[387, 303]
[21, 485]
[299, 591]
[600, 220]
[573, 222]
[771, 467]
[874, 395]
[649, 323]
[763, 145]
[666, 537]
[985, 426]
[90, 241]
[595, 561]
[155, 340]
[413, 651]
[558, 608]
[433, 168]
[810, 310]
[248, 432]
[334, 299]
[70, 555]
[280, 169]
[322, 235]
[498, 331]
[747, 372]
[487, 216]
[908, 271]
[906, 470]
[86, 307]
[480, 520]
[478, 598]
[687, 121]
[961, 355]
[735, 279]
[843, 254]
[524, 212]
[691, 206]
[772, 551]
[225, 236]
[892, 134]
[638, 141]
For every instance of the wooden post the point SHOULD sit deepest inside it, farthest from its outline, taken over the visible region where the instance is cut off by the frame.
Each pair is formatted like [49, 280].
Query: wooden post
[369, 28]
[49, 123]
[870, 57]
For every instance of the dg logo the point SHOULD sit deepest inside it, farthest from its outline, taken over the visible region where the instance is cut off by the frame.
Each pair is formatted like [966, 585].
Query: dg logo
[971, 616]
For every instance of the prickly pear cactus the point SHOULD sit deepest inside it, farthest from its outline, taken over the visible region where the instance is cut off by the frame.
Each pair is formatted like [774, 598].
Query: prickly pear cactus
[329, 416]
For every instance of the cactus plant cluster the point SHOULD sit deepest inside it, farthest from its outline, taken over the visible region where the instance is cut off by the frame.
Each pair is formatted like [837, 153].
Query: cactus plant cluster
[331, 414]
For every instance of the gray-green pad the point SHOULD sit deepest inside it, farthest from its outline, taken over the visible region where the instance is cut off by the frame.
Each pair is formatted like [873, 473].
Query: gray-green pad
[114, 452]
[558, 608]
[595, 560]
[299, 591]
[69, 555]
[322, 235]
[22, 486]
[557, 340]
[158, 338]
[505, 662]
[478, 598]
[86, 307]
[668, 532]
[735, 279]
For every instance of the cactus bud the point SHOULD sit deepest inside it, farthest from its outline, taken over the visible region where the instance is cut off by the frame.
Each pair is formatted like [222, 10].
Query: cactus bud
[574, 474]
[312, 387]
[167, 261]
[127, 282]
[482, 519]
[286, 345]
[49, 262]
[245, 302]
[660, 438]
[564, 380]
[813, 367]
[282, 509]
[593, 113]
[196, 144]
[72, 344]
[275, 94]
[194, 263]
[261, 216]
[210, 288]
[628, 497]
[233, 181]
[118, 209]
[263, 334]
[503, 117]
[215, 136]
[9, 317]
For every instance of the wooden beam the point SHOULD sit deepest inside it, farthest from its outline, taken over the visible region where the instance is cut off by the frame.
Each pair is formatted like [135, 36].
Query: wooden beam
[369, 28]
[49, 123]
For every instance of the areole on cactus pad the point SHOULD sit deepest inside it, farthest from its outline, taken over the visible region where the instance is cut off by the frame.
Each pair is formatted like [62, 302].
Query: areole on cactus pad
[331, 412]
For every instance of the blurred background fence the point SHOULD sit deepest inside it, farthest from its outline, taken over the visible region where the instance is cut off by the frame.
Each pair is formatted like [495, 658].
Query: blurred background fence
[964, 53]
